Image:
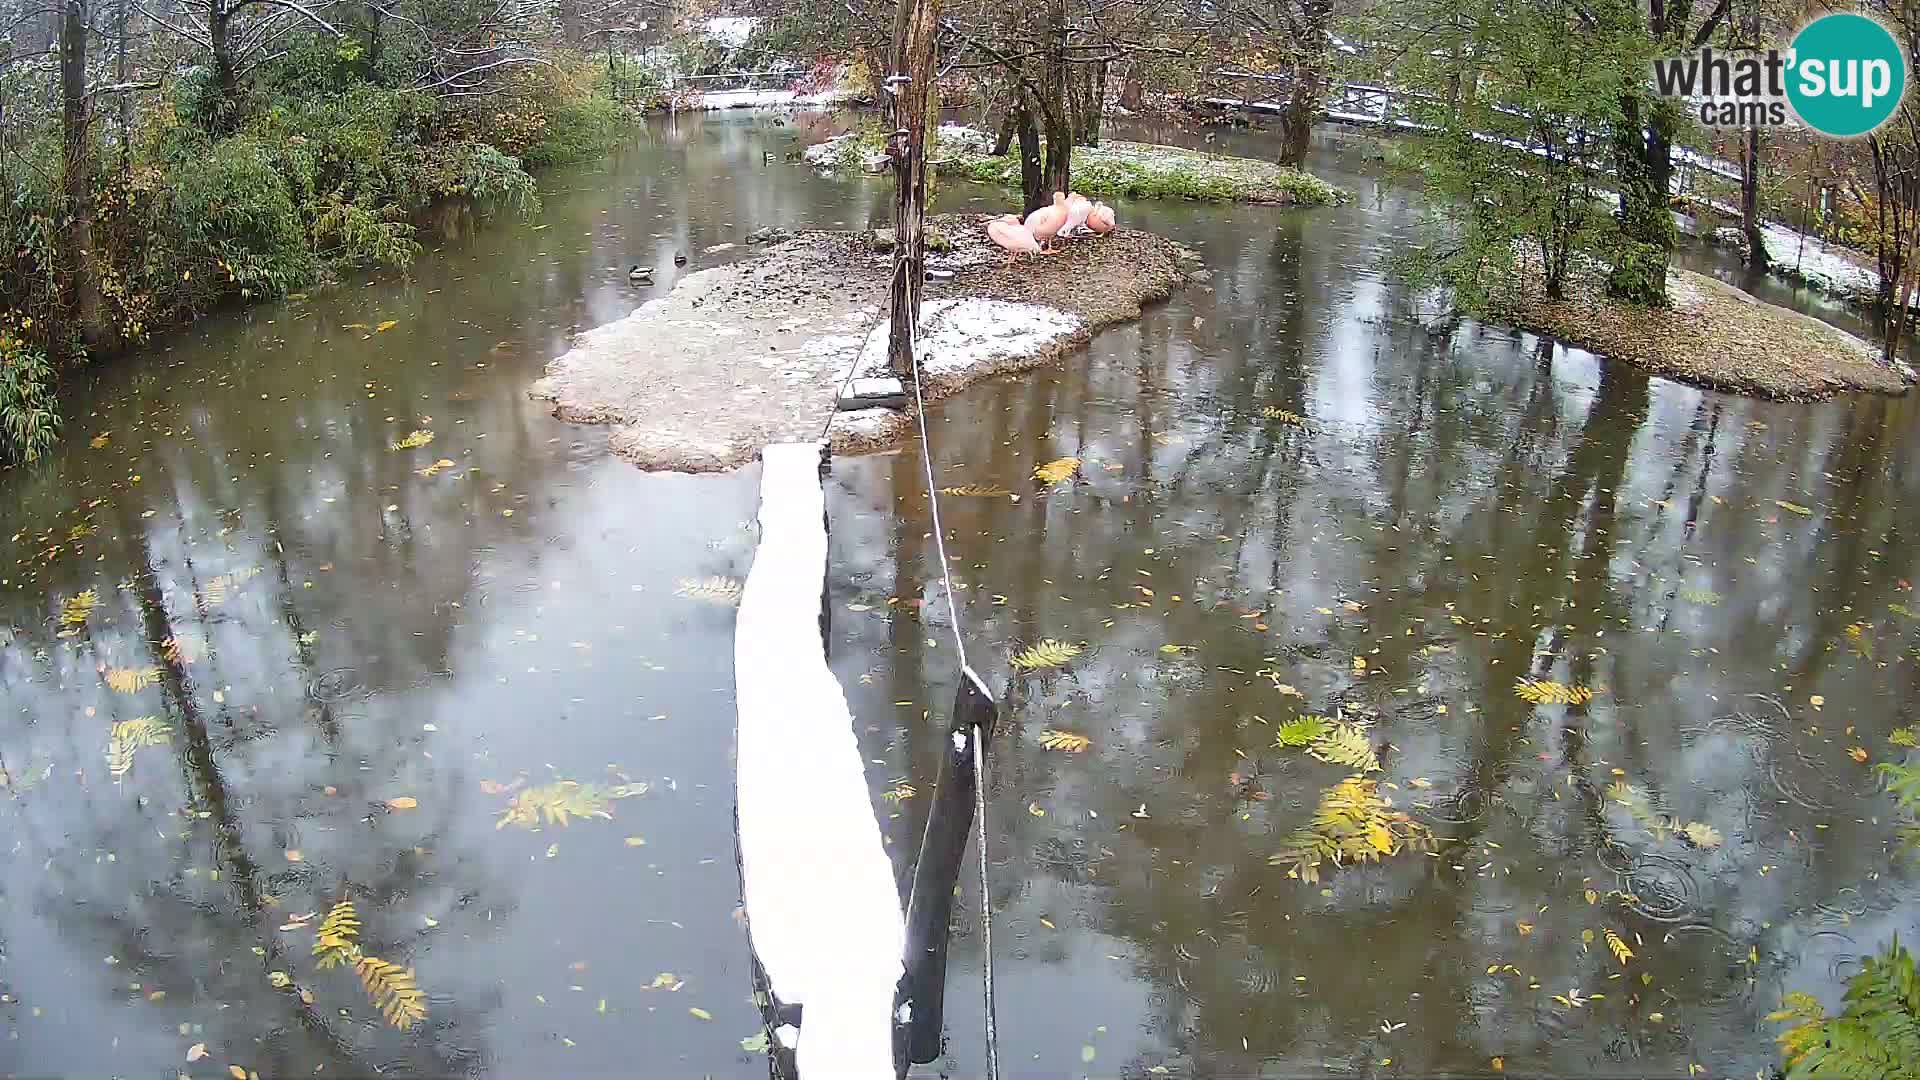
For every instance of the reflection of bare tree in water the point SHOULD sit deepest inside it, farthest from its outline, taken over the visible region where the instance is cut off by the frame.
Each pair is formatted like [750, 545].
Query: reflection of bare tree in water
[156, 906]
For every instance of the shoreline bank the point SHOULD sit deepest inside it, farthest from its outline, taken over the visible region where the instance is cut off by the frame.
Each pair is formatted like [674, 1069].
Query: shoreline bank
[1713, 336]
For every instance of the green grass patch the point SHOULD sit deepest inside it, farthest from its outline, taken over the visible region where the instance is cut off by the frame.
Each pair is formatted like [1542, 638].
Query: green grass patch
[1144, 171]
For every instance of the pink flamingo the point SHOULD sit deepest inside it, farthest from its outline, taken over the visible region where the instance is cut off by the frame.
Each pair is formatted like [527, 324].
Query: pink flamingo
[1100, 220]
[1078, 208]
[1008, 233]
[1046, 222]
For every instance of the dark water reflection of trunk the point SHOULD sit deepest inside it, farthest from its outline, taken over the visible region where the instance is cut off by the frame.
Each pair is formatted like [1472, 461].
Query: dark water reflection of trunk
[1282, 472]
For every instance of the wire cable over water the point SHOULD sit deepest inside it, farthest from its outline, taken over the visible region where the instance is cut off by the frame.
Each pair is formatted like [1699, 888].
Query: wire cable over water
[979, 737]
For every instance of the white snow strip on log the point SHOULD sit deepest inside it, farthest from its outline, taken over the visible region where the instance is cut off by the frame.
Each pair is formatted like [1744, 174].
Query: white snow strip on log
[822, 908]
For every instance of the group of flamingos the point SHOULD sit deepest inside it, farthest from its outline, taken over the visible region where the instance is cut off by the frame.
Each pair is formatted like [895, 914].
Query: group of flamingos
[1069, 213]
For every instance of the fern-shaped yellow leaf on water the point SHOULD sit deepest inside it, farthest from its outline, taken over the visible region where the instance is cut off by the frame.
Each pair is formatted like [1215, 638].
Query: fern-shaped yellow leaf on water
[129, 736]
[434, 469]
[1701, 835]
[131, 680]
[78, 608]
[720, 591]
[392, 990]
[1068, 741]
[1548, 692]
[982, 491]
[1618, 947]
[334, 942]
[1286, 416]
[1056, 471]
[1345, 744]
[1699, 596]
[1353, 823]
[414, 440]
[1046, 653]
[180, 652]
[1301, 731]
[556, 804]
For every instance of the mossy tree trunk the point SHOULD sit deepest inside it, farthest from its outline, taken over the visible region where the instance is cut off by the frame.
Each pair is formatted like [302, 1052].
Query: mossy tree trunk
[1033, 185]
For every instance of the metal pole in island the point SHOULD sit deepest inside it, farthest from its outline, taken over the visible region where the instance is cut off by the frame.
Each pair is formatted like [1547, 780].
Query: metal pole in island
[910, 88]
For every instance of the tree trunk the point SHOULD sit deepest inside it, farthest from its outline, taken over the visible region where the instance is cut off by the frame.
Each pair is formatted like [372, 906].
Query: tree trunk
[1750, 201]
[120, 76]
[1303, 108]
[225, 73]
[1309, 83]
[1033, 184]
[377, 45]
[76, 256]
[1053, 102]
[1646, 225]
[1008, 127]
[913, 57]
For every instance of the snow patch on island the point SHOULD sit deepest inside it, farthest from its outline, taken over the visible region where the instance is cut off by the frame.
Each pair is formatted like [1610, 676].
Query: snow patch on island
[957, 336]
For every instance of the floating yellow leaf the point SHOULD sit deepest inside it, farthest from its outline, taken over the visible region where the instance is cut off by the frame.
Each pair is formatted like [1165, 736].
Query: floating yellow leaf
[1345, 744]
[78, 608]
[1858, 753]
[293, 855]
[180, 652]
[719, 591]
[414, 440]
[983, 491]
[279, 979]
[132, 680]
[403, 802]
[1064, 740]
[1701, 834]
[1699, 596]
[1795, 508]
[1301, 731]
[333, 939]
[1619, 948]
[236, 1072]
[1348, 826]
[1592, 896]
[899, 792]
[1904, 736]
[1525, 928]
[1046, 653]
[196, 1051]
[1548, 692]
[1499, 1064]
[436, 468]
[1034, 809]
[392, 990]
[1283, 415]
[386, 326]
[100, 441]
[129, 736]
[700, 1013]
[1056, 471]
[558, 802]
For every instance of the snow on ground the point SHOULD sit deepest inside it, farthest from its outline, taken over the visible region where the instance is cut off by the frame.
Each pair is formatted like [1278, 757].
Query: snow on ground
[957, 336]
[1819, 265]
[732, 32]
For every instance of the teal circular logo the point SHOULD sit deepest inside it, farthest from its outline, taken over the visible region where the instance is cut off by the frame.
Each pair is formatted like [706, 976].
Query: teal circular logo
[1846, 76]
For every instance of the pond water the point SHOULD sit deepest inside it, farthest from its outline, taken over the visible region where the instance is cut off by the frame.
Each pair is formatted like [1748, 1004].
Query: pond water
[1293, 500]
